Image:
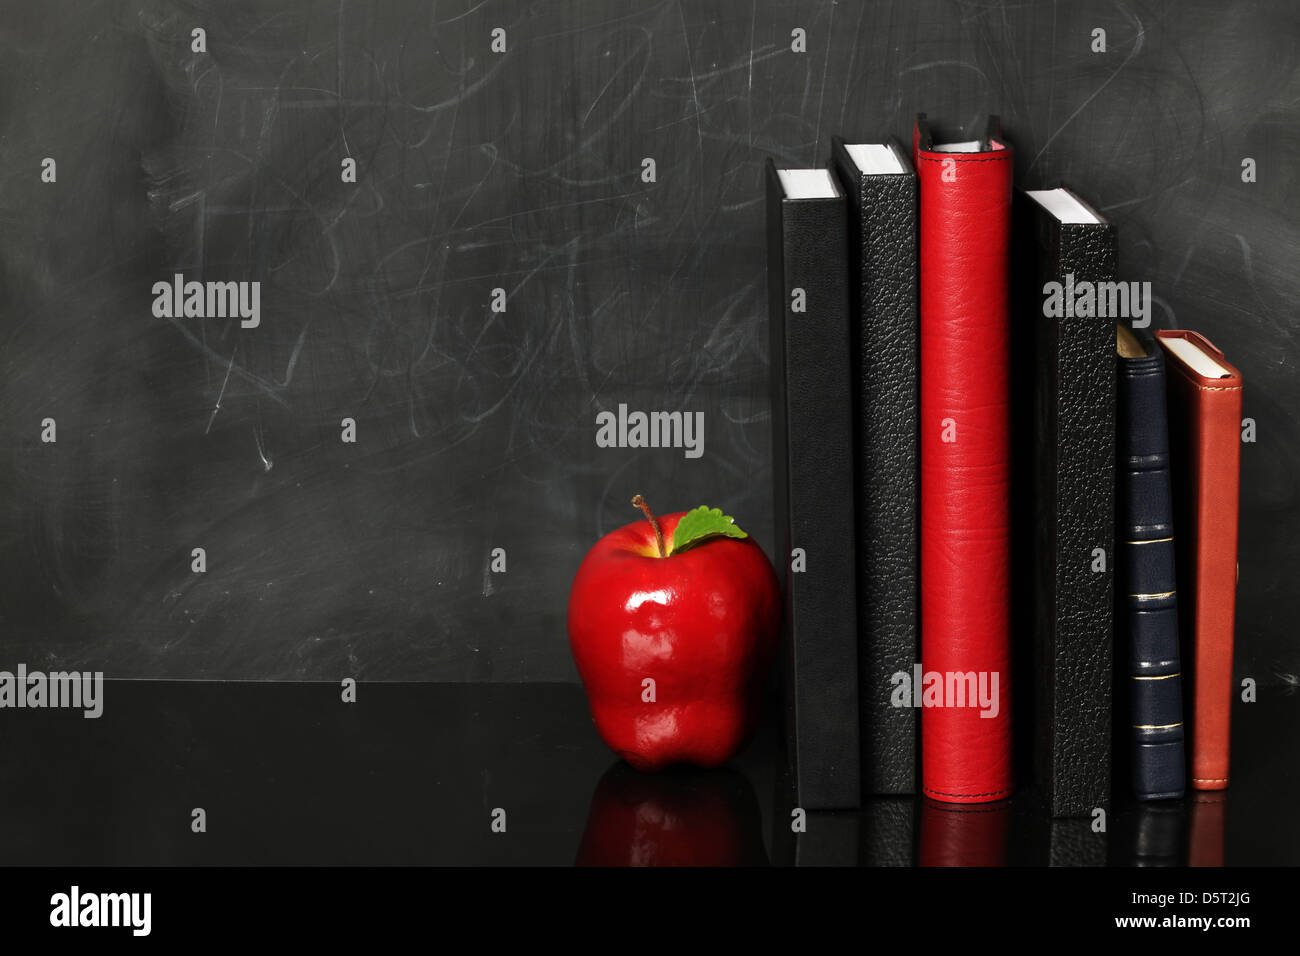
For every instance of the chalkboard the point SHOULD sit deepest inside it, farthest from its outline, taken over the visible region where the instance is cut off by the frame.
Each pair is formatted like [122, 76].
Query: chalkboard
[601, 165]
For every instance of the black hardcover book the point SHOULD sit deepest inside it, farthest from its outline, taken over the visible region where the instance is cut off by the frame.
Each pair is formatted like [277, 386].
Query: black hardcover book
[1073, 249]
[881, 187]
[1147, 600]
[812, 475]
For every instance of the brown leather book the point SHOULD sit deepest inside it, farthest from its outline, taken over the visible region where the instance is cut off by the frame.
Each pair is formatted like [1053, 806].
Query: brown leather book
[1204, 394]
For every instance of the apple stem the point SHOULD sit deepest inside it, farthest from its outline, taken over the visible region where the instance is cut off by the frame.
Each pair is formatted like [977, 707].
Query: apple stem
[639, 502]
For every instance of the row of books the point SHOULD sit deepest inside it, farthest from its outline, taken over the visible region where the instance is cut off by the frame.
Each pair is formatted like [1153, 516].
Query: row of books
[977, 463]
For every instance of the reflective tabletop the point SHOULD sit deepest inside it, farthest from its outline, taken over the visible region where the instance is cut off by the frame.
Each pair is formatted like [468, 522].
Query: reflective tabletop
[200, 773]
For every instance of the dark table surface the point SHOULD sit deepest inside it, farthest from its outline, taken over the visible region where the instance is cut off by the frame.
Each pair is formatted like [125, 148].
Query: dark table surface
[286, 773]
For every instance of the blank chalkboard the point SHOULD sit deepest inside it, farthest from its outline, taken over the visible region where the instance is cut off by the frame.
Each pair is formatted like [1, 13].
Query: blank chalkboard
[557, 210]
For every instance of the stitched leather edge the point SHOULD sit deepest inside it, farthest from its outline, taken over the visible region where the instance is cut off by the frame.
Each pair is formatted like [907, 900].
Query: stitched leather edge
[990, 793]
[969, 159]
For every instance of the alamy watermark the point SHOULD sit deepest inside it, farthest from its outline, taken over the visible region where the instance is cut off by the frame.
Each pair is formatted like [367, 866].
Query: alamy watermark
[82, 690]
[651, 430]
[208, 300]
[946, 689]
[75, 908]
[1101, 300]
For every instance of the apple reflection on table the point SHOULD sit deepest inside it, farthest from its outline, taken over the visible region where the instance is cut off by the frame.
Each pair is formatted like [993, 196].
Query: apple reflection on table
[681, 816]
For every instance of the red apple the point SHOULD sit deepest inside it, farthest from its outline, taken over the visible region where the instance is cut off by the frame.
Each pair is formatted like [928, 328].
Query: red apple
[673, 630]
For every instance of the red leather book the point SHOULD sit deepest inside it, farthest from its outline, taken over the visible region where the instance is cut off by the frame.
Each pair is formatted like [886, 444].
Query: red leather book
[1204, 394]
[965, 472]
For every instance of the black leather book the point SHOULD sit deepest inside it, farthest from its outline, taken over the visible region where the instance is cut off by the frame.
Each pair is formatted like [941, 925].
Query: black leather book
[812, 475]
[1069, 250]
[881, 189]
[1147, 600]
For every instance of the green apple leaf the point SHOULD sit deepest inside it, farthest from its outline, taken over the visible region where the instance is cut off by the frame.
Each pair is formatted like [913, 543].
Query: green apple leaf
[701, 525]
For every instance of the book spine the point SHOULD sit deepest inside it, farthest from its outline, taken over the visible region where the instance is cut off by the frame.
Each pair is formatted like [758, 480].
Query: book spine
[812, 443]
[883, 267]
[1205, 418]
[1148, 601]
[965, 208]
[1074, 510]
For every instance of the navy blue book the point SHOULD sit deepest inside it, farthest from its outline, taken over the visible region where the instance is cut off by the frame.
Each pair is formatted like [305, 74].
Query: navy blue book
[1147, 605]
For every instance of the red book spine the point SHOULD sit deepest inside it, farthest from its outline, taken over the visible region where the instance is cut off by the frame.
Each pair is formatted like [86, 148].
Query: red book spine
[965, 465]
[1205, 432]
